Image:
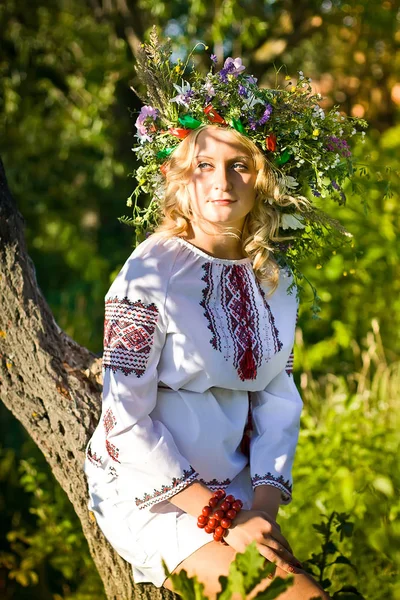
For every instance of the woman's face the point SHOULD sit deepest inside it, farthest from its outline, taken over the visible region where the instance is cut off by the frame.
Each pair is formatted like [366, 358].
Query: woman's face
[221, 186]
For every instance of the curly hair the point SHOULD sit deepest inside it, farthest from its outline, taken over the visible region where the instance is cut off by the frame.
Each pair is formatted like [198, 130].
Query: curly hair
[262, 223]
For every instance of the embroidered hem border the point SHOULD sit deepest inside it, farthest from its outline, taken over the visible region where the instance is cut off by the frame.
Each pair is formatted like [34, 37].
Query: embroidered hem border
[167, 491]
[277, 482]
[215, 484]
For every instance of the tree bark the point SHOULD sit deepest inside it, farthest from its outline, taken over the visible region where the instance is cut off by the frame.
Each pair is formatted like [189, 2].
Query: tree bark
[52, 386]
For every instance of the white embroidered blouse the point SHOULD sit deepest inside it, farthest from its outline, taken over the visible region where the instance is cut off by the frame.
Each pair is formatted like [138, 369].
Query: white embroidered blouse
[198, 381]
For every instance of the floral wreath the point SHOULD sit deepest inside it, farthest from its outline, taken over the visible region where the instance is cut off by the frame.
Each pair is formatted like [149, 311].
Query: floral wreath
[308, 149]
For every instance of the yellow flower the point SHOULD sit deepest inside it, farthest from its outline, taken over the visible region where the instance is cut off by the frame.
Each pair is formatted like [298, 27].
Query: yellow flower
[293, 88]
[316, 132]
[318, 267]
[287, 77]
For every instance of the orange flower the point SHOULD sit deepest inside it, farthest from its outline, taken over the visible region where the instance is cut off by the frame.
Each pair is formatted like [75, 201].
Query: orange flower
[164, 169]
[179, 132]
[270, 142]
[213, 116]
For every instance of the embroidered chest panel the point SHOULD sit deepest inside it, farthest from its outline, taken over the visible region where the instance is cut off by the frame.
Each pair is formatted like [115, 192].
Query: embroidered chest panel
[128, 335]
[242, 332]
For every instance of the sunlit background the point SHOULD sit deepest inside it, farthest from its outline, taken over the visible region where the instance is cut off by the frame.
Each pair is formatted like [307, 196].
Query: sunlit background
[67, 122]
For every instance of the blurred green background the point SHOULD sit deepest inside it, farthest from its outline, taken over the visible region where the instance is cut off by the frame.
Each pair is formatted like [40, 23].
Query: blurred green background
[67, 121]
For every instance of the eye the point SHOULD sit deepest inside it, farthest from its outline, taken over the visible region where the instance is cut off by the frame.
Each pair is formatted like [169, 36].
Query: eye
[203, 166]
[239, 166]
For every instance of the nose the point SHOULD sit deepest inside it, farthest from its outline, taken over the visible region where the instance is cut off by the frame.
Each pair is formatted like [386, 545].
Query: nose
[222, 179]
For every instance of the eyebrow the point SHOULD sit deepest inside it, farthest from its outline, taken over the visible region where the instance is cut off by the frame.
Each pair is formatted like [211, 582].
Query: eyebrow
[239, 157]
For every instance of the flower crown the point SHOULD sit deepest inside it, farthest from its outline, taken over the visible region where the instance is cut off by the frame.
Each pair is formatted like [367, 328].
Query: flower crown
[307, 149]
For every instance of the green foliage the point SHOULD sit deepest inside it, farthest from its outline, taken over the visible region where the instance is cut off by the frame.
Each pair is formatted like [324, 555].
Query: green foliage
[347, 461]
[44, 549]
[245, 572]
[65, 73]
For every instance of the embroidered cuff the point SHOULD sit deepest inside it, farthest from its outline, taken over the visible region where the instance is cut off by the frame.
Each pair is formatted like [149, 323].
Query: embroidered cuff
[278, 482]
[167, 491]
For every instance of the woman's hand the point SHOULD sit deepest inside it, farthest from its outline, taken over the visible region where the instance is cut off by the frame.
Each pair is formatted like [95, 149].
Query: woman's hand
[258, 526]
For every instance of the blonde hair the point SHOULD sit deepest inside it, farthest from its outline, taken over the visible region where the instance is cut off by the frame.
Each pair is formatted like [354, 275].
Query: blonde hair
[261, 224]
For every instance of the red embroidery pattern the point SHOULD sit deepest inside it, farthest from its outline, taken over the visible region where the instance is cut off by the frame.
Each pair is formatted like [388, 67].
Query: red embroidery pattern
[176, 484]
[109, 422]
[112, 451]
[216, 483]
[289, 364]
[279, 482]
[241, 316]
[92, 456]
[128, 335]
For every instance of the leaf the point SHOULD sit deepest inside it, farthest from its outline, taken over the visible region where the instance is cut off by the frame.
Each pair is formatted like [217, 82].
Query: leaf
[190, 588]
[329, 548]
[343, 560]
[275, 589]
[326, 583]
[253, 566]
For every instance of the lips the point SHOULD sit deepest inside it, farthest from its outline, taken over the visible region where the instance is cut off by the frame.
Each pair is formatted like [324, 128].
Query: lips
[223, 200]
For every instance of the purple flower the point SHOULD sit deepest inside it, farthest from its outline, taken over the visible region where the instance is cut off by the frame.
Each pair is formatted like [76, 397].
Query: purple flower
[251, 79]
[266, 115]
[338, 145]
[214, 58]
[184, 94]
[315, 193]
[146, 113]
[335, 185]
[260, 122]
[242, 91]
[232, 66]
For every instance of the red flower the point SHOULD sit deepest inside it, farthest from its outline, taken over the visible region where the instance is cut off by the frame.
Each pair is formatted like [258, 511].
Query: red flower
[270, 142]
[213, 116]
[179, 132]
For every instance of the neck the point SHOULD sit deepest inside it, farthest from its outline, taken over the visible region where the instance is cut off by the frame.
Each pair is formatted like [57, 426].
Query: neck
[216, 241]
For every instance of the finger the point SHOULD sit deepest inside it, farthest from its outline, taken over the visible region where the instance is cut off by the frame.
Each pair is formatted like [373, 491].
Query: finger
[286, 565]
[279, 538]
[280, 549]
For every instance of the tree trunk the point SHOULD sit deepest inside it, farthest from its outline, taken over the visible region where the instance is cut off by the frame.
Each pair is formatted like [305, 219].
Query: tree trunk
[52, 386]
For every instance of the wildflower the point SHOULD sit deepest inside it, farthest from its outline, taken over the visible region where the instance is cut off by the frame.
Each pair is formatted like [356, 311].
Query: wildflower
[339, 146]
[242, 91]
[270, 142]
[289, 221]
[146, 115]
[233, 67]
[214, 58]
[251, 101]
[251, 79]
[288, 182]
[209, 88]
[316, 132]
[184, 95]
[266, 115]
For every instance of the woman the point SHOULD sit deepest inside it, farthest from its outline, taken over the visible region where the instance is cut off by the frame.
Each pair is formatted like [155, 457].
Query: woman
[199, 331]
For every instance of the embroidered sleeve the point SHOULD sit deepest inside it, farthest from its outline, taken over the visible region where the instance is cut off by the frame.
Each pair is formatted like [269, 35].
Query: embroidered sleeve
[276, 420]
[141, 450]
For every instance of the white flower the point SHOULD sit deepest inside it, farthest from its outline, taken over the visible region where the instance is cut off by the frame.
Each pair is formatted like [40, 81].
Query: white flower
[288, 182]
[251, 101]
[183, 90]
[209, 88]
[292, 221]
